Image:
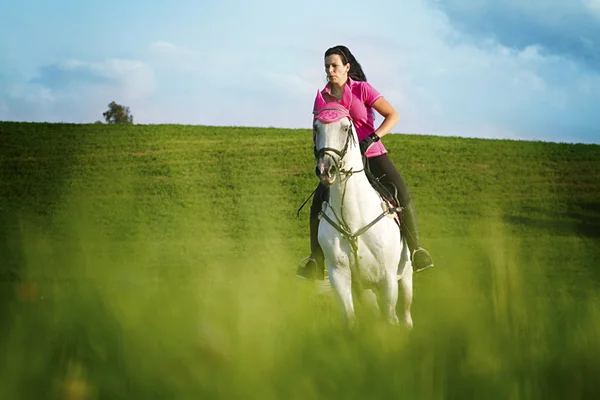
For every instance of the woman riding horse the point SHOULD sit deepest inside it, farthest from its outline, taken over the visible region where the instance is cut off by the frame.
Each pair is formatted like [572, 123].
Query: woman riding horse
[345, 73]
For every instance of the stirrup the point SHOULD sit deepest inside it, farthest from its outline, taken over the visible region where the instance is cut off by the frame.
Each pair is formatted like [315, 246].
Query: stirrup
[314, 272]
[301, 267]
[412, 260]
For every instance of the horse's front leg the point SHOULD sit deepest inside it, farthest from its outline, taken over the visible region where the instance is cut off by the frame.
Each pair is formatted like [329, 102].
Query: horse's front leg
[405, 296]
[341, 282]
[388, 294]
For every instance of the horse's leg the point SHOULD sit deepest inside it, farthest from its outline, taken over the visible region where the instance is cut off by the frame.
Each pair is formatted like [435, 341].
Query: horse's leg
[370, 299]
[388, 294]
[405, 296]
[341, 282]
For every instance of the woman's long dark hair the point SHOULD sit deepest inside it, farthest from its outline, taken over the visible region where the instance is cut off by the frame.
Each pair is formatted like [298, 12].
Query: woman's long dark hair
[356, 71]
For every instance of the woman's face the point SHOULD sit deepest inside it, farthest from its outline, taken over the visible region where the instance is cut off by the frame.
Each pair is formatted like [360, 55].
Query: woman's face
[336, 71]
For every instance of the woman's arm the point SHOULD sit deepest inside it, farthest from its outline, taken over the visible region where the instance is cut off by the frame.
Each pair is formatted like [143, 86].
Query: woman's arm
[389, 114]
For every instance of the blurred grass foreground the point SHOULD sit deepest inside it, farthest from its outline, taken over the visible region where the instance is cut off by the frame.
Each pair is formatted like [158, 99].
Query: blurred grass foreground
[158, 262]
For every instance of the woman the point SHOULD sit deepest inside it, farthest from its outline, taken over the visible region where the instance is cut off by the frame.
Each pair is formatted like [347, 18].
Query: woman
[345, 73]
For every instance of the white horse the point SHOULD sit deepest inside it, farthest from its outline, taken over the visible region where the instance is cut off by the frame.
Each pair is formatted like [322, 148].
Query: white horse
[360, 239]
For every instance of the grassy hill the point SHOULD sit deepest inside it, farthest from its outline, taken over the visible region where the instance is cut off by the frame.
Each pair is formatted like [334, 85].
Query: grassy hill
[159, 261]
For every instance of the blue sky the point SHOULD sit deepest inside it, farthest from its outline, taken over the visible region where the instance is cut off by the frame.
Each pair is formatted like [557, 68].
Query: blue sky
[473, 68]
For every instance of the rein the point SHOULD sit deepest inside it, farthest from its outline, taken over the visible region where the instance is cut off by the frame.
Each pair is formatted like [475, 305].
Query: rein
[352, 238]
[340, 225]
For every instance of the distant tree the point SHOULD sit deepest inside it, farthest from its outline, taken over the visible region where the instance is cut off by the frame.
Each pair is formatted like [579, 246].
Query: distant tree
[117, 114]
[98, 122]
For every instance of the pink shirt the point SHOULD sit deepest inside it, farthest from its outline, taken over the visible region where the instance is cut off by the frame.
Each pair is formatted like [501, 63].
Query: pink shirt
[361, 111]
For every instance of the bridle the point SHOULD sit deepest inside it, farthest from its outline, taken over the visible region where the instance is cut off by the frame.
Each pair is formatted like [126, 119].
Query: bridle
[339, 153]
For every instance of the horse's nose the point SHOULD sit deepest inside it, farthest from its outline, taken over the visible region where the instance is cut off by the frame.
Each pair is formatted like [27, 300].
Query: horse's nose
[321, 168]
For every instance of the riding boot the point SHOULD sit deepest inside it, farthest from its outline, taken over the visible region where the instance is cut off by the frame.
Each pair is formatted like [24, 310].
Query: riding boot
[314, 265]
[421, 259]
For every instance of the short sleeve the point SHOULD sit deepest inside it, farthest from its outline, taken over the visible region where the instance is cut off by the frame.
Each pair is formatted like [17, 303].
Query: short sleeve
[315, 102]
[369, 94]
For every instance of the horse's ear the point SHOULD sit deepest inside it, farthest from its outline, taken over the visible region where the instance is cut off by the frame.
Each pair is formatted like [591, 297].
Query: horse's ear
[319, 101]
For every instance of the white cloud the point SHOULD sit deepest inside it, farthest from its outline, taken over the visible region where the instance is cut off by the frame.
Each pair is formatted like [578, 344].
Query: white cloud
[593, 5]
[292, 83]
[566, 28]
[166, 56]
[32, 93]
[68, 77]
[136, 78]
[73, 64]
[79, 91]
[163, 47]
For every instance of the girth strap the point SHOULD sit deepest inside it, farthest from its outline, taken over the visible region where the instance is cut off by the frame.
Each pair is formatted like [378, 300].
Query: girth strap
[352, 238]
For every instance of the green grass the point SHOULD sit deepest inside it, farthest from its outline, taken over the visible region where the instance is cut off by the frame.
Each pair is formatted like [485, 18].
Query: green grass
[160, 262]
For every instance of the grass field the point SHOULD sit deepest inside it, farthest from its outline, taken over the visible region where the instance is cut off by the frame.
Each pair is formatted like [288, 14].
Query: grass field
[157, 262]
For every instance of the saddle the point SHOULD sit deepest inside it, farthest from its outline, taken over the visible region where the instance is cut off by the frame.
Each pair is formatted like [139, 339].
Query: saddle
[389, 193]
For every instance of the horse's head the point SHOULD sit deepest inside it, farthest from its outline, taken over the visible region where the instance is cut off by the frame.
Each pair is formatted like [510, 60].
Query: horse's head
[335, 139]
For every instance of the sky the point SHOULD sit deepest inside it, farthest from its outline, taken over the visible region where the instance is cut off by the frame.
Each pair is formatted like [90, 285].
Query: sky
[505, 69]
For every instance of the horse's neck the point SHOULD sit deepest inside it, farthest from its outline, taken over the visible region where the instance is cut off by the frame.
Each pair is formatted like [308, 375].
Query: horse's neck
[359, 198]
